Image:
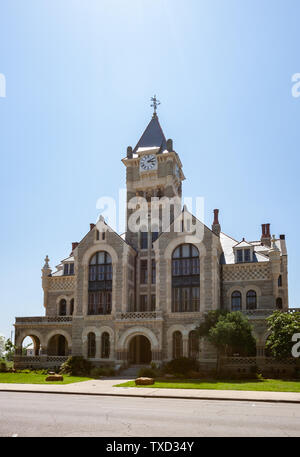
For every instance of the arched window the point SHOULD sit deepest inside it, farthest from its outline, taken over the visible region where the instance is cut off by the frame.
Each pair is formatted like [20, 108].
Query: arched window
[105, 345]
[91, 345]
[279, 303]
[71, 306]
[185, 279]
[279, 281]
[193, 345]
[177, 345]
[236, 301]
[251, 300]
[62, 307]
[100, 284]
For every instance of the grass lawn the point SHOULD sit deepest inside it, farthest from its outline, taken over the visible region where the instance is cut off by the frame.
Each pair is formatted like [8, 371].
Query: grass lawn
[33, 378]
[272, 385]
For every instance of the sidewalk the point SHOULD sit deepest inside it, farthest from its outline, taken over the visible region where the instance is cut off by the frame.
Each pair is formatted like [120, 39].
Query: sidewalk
[105, 387]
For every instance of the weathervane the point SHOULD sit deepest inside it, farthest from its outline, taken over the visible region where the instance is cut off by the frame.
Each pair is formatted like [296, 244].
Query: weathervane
[155, 104]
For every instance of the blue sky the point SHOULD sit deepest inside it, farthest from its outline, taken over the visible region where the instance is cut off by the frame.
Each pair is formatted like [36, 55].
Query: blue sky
[79, 76]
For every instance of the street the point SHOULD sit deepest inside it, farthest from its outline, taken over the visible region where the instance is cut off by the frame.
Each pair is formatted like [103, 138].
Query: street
[54, 415]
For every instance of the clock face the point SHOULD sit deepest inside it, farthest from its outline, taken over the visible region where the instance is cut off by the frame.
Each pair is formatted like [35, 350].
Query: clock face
[148, 162]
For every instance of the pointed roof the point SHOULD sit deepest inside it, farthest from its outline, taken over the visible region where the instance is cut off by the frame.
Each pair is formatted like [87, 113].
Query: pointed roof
[153, 136]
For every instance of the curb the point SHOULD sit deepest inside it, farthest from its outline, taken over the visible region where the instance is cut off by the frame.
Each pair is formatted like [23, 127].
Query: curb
[178, 397]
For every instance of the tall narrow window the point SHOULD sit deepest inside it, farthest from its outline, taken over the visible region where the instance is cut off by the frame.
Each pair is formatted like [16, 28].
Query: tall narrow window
[62, 307]
[100, 284]
[185, 279]
[154, 236]
[236, 301]
[143, 303]
[279, 281]
[144, 240]
[251, 300]
[193, 345]
[153, 271]
[105, 345]
[144, 271]
[153, 302]
[177, 345]
[72, 306]
[91, 345]
[279, 303]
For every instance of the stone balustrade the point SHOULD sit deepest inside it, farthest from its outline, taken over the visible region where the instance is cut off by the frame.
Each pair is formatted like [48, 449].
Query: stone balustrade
[139, 315]
[43, 319]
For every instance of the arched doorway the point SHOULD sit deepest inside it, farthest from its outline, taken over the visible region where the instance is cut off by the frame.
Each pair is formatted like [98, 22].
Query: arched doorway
[30, 346]
[140, 350]
[57, 345]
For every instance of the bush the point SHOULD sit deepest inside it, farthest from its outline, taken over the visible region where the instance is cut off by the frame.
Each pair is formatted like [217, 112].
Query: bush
[146, 373]
[2, 367]
[76, 366]
[97, 372]
[181, 366]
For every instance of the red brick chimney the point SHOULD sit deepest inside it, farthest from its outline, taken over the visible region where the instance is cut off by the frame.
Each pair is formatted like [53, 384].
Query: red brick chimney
[216, 227]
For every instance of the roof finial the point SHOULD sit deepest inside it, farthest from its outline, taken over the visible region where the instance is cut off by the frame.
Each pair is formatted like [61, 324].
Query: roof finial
[155, 104]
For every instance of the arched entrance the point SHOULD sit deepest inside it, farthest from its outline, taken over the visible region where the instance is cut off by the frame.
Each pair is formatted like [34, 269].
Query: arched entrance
[58, 345]
[140, 350]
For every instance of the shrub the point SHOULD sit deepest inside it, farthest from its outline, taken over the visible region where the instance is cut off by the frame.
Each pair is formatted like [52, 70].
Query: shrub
[102, 371]
[2, 367]
[147, 373]
[76, 366]
[181, 366]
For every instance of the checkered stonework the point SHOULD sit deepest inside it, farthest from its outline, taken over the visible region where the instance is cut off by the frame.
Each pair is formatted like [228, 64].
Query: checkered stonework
[67, 283]
[245, 273]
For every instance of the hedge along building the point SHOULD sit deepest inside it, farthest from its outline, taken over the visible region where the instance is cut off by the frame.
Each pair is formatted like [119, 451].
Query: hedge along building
[138, 297]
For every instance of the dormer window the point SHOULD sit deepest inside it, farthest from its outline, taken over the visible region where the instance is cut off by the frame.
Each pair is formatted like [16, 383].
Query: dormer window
[243, 255]
[243, 252]
[68, 269]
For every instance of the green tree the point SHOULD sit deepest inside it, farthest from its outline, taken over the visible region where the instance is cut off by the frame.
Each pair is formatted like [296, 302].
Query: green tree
[229, 332]
[10, 349]
[282, 327]
[2, 346]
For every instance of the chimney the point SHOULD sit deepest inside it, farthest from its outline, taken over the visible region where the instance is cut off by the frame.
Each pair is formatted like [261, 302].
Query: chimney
[282, 237]
[265, 234]
[216, 227]
[92, 226]
[74, 245]
[129, 152]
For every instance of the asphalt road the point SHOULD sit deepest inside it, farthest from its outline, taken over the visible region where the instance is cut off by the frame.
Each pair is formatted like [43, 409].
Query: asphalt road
[28, 414]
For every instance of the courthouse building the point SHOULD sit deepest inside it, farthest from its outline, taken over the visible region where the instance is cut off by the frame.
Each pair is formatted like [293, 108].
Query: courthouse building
[137, 297]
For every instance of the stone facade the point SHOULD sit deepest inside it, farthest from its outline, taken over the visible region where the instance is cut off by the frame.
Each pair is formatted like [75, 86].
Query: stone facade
[250, 276]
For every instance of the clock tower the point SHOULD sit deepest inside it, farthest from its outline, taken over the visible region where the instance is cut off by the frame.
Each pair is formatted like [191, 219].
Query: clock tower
[153, 169]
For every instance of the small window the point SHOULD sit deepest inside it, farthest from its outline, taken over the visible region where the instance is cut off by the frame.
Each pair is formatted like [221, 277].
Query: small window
[279, 281]
[144, 240]
[246, 255]
[154, 236]
[239, 255]
[72, 306]
[144, 271]
[279, 303]
[153, 272]
[153, 302]
[91, 345]
[143, 302]
[105, 345]
[251, 302]
[236, 301]
[63, 307]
